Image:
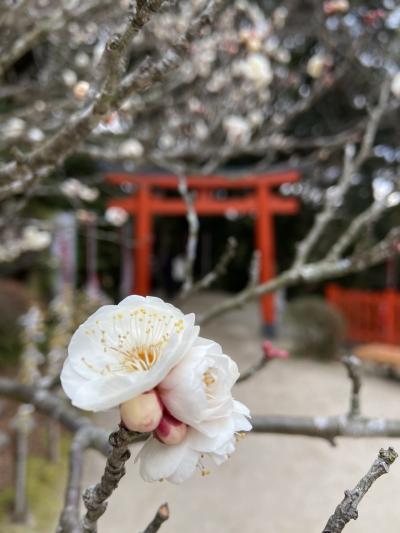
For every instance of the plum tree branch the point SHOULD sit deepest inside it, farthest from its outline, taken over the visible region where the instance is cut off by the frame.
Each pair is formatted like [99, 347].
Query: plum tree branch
[218, 271]
[193, 234]
[352, 163]
[95, 498]
[310, 273]
[69, 519]
[17, 175]
[347, 509]
[353, 366]
[160, 517]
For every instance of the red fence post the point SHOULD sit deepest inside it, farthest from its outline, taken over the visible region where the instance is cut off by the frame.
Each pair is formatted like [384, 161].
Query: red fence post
[390, 317]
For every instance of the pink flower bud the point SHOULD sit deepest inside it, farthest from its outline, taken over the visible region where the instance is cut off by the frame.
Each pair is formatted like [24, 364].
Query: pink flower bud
[171, 430]
[271, 352]
[142, 413]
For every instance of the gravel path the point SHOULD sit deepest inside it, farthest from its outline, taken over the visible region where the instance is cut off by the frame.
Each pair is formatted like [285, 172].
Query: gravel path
[272, 484]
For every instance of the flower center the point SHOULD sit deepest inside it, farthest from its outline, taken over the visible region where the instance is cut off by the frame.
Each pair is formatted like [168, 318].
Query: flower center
[138, 359]
[135, 337]
[208, 378]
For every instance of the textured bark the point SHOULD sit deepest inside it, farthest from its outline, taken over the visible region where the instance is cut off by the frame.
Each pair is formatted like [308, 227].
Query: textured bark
[95, 498]
[161, 516]
[347, 508]
[327, 427]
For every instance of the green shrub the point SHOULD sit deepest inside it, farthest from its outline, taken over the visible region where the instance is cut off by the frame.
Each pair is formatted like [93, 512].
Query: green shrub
[311, 327]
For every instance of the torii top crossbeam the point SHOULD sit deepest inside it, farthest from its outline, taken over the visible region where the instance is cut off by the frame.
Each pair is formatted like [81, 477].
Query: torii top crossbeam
[257, 198]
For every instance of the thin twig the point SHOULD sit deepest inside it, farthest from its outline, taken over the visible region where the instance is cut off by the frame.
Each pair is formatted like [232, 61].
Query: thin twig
[369, 215]
[250, 372]
[95, 498]
[311, 273]
[193, 234]
[160, 517]
[347, 509]
[218, 271]
[353, 366]
[352, 164]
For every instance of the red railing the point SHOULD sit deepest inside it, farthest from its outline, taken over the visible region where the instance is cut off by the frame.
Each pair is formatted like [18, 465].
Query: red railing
[370, 316]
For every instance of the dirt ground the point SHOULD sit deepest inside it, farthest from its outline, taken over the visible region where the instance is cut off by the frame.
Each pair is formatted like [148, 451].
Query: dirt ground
[272, 484]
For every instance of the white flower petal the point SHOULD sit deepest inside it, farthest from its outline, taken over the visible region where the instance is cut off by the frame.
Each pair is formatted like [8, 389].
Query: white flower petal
[103, 393]
[70, 379]
[198, 389]
[241, 408]
[158, 460]
[242, 423]
[186, 467]
[132, 346]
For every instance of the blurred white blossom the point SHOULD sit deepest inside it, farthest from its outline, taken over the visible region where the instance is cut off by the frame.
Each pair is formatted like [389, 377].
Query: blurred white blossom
[316, 65]
[116, 216]
[238, 130]
[131, 148]
[256, 68]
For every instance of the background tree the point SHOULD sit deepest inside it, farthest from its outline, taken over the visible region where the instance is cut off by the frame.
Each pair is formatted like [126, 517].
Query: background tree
[192, 87]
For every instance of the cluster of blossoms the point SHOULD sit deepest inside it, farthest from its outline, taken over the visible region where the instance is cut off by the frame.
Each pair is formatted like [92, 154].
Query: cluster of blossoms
[147, 357]
[31, 239]
[73, 188]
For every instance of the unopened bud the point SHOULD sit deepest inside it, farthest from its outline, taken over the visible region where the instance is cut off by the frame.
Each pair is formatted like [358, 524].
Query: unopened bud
[171, 430]
[81, 89]
[142, 413]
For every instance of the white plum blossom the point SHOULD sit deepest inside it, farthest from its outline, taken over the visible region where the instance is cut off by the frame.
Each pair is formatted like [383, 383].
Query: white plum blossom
[35, 135]
[73, 188]
[81, 89]
[124, 350]
[69, 77]
[238, 130]
[35, 239]
[132, 148]
[197, 392]
[257, 68]
[146, 357]
[116, 216]
[316, 65]
[88, 194]
[13, 128]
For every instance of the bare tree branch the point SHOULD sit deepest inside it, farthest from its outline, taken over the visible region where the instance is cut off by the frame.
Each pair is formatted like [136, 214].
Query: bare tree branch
[161, 516]
[20, 173]
[218, 271]
[310, 273]
[193, 234]
[326, 427]
[371, 214]
[254, 369]
[95, 498]
[353, 366]
[352, 164]
[347, 509]
[70, 519]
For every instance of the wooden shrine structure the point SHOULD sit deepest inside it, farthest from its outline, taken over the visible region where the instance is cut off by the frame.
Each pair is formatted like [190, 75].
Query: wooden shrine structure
[153, 195]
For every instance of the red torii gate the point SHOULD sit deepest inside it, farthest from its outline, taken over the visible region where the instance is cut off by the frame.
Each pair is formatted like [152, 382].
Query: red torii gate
[258, 199]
